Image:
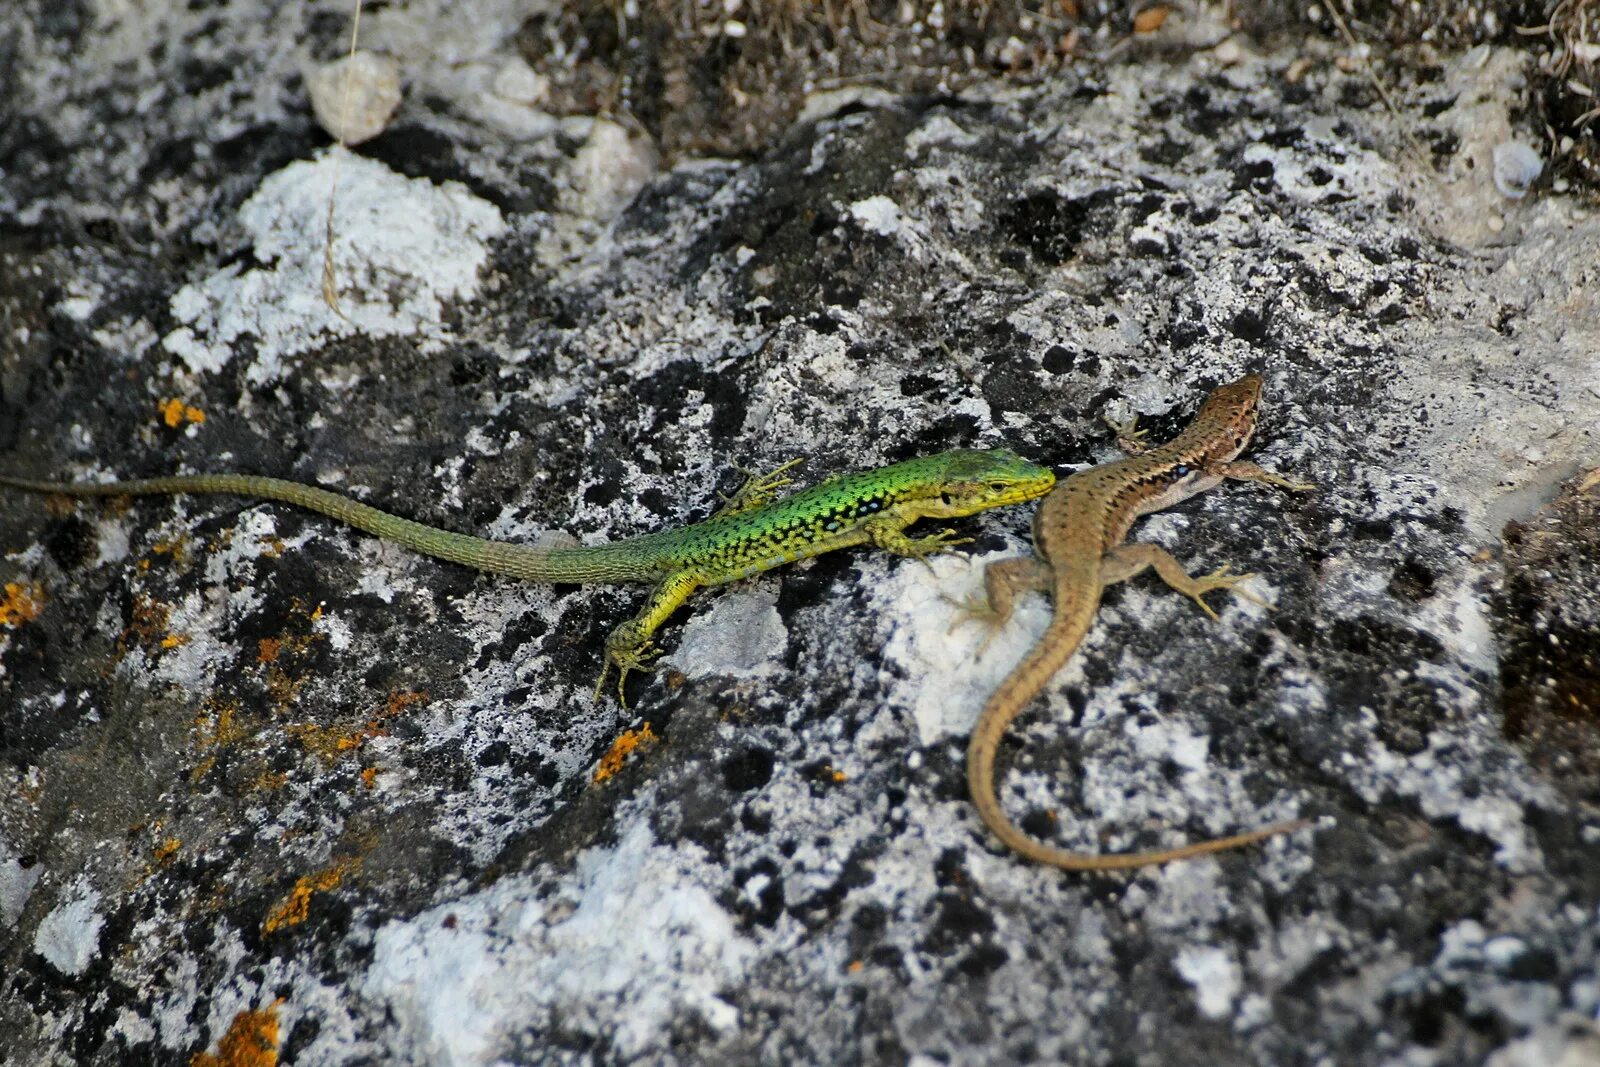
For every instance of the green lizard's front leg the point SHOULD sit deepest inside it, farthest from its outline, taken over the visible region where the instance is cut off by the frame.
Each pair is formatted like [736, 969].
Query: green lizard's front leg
[758, 490]
[887, 532]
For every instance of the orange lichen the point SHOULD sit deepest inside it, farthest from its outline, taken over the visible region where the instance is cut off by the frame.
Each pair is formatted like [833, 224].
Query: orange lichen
[22, 603]
[214, 725]
[623, 747]
[251, 1041]
[147, 628]
[166, 850]
[369, 777]
[331, 742]
[285, 656]
[177, 548]
[399, 701]
[296, 905]
[270, 780]
[214, 728]
[175, 413]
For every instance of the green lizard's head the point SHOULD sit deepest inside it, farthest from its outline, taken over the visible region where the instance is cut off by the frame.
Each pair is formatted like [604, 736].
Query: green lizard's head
[977, 478]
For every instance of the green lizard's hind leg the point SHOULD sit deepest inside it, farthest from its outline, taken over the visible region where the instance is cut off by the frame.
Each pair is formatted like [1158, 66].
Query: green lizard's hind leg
[758, 490]
[631, 646]
[1124, 561]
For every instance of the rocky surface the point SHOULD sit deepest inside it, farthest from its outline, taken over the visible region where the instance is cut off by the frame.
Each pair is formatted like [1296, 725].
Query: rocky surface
[271, 788]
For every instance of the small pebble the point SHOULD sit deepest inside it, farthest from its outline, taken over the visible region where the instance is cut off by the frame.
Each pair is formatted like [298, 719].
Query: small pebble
[520, 83]
[374, 94]
[1516, 167]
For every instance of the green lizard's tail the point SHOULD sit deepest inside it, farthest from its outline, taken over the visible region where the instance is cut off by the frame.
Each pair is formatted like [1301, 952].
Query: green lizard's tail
[518, 561]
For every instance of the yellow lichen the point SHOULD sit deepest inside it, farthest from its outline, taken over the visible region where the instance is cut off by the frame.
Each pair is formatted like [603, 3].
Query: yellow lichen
[175, 413]
[22, 603]
[333, 742]
[270, 780]
[251, 1041]
[214, 728]
[177, 548]
[166, 850]
[147, 628]
[296, 905]
[623, 747]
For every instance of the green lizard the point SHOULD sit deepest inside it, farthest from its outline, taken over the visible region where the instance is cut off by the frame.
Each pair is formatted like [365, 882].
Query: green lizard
[750, 534]
[1078, 535]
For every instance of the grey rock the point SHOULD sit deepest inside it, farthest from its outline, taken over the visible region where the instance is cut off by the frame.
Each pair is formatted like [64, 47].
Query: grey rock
[314, 783]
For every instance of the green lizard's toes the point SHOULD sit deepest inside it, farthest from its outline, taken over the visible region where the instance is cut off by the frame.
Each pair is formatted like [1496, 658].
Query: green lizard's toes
[927, 546]
[627, 661]
[635, 657]
[758, 490]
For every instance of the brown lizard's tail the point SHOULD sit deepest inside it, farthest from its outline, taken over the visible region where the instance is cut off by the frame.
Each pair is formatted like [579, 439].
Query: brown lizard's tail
[1014, 694]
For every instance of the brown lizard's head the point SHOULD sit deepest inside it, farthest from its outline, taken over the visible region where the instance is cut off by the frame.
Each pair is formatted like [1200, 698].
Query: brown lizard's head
[1226, 421]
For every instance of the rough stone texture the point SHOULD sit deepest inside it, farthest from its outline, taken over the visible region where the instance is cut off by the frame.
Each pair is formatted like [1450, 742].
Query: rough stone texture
[265, 782]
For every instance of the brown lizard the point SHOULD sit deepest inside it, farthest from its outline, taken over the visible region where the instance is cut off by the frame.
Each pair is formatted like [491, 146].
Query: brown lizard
[1078, 535]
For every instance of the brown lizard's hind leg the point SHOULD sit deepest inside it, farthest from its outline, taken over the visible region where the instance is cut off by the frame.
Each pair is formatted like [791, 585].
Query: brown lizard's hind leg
[1003, 581]
[1129, 437]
